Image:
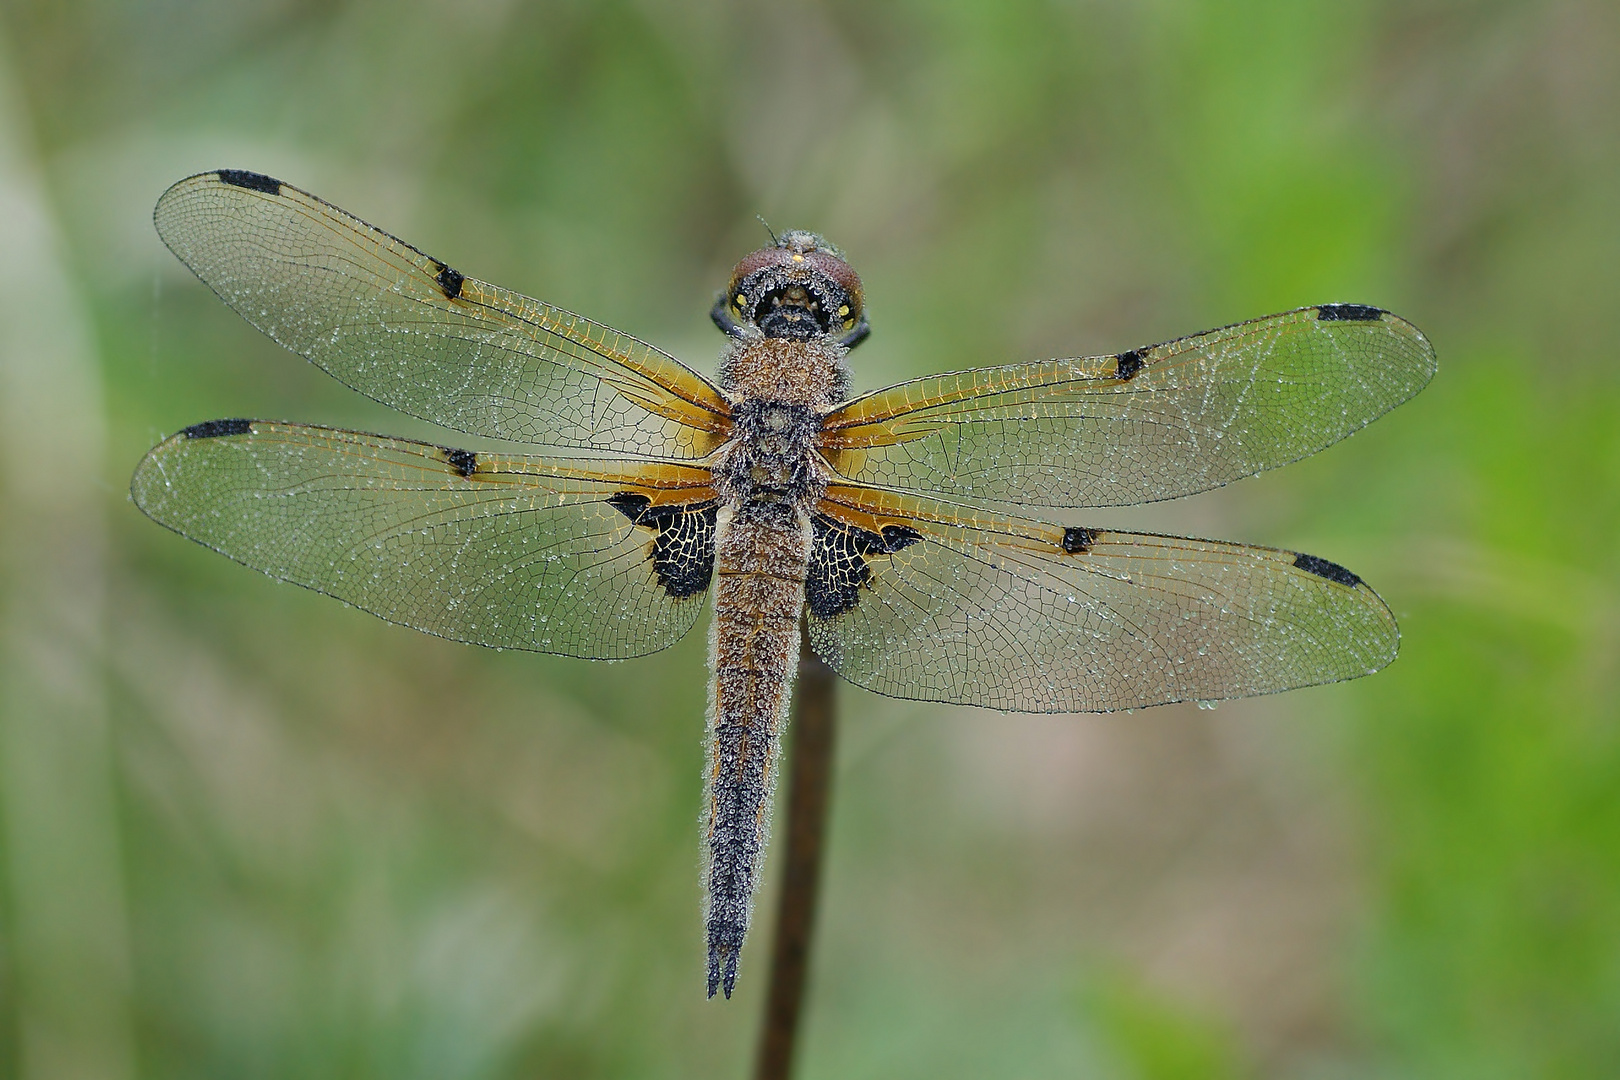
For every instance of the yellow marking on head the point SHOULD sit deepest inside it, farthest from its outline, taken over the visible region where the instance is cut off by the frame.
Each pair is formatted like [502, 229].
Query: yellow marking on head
[843, 309]
[797, 257]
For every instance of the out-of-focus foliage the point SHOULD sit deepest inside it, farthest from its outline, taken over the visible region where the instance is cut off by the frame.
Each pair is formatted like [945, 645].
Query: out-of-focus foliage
[342, 849]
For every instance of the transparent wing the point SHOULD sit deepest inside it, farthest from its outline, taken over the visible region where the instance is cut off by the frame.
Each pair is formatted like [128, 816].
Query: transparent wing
[513, 552]
[403, 328]
[1153, 423]
[941, 603]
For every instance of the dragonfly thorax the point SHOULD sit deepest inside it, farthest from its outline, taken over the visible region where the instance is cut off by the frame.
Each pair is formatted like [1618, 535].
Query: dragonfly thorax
[769, 470]
[785, 370]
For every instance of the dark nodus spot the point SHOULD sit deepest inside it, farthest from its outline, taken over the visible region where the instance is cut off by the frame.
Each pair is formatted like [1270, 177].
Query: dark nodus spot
[1324, 569]
[1348, 313]
[464, 462]
[1127, 364]
[449, 281]
[1078, 541]
[251, 180]
[213, 429]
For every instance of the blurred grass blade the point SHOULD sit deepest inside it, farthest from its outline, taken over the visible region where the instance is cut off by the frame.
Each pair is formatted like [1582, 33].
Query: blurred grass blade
[69, 953]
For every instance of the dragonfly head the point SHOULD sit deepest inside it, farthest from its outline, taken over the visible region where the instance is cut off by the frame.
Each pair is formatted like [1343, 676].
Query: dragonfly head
[800, 287]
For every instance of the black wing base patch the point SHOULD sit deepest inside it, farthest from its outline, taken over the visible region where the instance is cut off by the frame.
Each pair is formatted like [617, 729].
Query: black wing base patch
[683, 540]
[838, 562]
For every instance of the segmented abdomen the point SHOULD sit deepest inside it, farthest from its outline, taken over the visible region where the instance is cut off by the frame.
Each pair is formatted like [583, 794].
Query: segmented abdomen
[753, 654]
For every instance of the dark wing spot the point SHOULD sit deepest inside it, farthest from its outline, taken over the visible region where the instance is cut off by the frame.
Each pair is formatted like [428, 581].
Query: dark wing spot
[449, 280]
[1127, 364]
[1348, 313]
[838, 562]
[630, 505]
[464, 462]
[1078, 541]
[896, 537]
[251, 180]
[1324, 569]
[683, 540]
[213, 429]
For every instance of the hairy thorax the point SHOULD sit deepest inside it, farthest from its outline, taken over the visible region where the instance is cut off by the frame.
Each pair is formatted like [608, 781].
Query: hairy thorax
[787, 370]
[770, 472]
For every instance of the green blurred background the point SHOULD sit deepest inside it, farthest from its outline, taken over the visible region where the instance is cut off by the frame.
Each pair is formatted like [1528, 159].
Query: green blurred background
[248, 832]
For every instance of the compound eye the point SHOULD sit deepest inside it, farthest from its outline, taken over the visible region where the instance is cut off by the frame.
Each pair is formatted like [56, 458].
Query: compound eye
[841, 274]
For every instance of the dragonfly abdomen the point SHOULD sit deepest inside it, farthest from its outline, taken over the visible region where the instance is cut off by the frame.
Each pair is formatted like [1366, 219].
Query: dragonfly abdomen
[761, 562]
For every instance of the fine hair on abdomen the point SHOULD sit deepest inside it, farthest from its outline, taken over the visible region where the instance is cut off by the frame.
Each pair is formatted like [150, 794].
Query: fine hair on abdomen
[760, 566]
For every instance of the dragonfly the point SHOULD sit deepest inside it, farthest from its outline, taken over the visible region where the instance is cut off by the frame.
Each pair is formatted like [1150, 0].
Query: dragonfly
[892, 530]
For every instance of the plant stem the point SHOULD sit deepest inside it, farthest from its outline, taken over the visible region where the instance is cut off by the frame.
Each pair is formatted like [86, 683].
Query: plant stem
[813, 728]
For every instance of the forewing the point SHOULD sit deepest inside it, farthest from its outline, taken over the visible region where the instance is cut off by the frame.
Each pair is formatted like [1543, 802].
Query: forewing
[1153, 423]
[966, 607]
[578, 558]
[406, 329]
